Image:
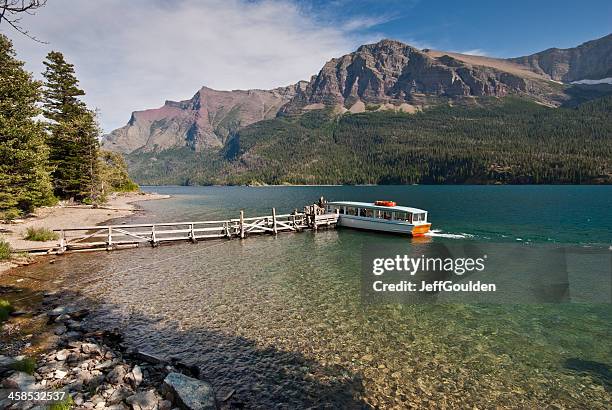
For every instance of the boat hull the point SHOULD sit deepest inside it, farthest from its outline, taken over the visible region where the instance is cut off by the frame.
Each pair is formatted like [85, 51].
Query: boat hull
[383, 225]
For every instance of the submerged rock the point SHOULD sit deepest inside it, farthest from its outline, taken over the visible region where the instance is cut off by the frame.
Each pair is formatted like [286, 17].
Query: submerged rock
[192, 393]
[19, 381]
[148, 357]
[7, 363]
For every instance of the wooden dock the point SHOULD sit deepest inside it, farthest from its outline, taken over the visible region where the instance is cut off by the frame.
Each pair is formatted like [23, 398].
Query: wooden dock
[111, 237]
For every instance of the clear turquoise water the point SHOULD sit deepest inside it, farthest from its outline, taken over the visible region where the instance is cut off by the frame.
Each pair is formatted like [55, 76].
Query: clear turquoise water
[279, 320]
[563, 214]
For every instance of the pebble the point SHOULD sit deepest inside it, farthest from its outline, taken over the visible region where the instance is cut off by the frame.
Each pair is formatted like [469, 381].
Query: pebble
[136, 375]
[146, 400]
[60, 374]
[62, 318]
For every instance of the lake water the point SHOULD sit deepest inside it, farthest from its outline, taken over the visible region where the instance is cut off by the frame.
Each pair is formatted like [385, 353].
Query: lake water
[280, 321]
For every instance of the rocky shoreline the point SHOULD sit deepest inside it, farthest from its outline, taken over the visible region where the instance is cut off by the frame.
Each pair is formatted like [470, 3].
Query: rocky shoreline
[97, 370]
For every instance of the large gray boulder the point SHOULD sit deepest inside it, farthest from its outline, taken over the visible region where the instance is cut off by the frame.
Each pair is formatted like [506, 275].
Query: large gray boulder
[192, 393]
[20, 381]
[7, 363]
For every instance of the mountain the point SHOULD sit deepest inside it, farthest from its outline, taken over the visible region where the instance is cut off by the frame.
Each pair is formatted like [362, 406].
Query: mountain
[509, 140]
[204, 121]
[397, 75]
[589, 61]
[391, 113]
[388, 75]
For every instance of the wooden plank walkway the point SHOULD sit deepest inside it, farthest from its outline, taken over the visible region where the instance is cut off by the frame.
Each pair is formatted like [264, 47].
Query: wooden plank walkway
[111, 237]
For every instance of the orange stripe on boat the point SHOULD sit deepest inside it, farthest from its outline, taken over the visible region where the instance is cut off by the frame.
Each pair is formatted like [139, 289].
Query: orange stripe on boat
[385, 203]
[420, 230]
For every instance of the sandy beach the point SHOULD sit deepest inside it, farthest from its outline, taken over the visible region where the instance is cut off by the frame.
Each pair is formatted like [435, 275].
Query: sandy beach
[67, 215]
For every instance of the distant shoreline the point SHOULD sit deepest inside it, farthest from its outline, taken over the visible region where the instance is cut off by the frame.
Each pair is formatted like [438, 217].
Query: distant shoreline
[361, 185]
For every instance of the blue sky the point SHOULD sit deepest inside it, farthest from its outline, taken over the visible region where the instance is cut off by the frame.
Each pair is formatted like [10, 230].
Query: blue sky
[499, 28]
[133, 55]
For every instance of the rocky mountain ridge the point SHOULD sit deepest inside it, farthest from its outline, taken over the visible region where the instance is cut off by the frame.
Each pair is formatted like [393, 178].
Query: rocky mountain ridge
[391, 72]
[589, 61]
[205, 120]
[388, 75]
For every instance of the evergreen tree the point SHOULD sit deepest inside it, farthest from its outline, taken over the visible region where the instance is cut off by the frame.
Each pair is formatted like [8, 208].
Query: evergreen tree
[73, 139]
[24, 173]
[74, 151]
[62, 90]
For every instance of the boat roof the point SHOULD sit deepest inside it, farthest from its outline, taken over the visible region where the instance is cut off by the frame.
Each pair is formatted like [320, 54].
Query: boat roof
[373, 206]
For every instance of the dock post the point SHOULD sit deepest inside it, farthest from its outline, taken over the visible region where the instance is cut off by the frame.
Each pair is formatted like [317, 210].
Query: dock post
[313, 216]
[192, 234]
[62, 244]
[153, 237]
[241, 224]
[109, 239]
[227, 231]
[274, 221]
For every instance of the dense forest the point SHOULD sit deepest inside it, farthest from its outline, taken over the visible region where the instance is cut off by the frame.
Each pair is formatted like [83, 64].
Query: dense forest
[49, 148]
[499, 141]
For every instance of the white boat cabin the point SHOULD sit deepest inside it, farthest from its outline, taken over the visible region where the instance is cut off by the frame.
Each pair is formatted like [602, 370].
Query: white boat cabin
[370, 210]
[380, 216]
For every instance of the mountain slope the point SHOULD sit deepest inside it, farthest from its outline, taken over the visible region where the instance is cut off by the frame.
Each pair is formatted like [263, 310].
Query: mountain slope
[500, 141]
[390, 113]
[393, 72]
[204, 121]
[591, 60]
[388, 75]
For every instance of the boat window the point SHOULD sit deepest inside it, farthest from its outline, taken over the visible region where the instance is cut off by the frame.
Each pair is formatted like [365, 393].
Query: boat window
[419, 217]
[351, 210]
[341, 210]
[368, 213]
[386, 214]
[401, 216]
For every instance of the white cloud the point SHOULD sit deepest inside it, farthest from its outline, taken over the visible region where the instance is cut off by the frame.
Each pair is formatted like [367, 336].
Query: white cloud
[418, 44]
[364, 23]
[474, 52]
[132, 55]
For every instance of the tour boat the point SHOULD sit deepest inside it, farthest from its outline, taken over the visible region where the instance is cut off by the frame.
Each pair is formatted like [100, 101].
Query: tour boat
[385, 216]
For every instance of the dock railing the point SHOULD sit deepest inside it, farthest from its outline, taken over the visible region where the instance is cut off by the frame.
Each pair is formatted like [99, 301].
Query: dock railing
[112, 237]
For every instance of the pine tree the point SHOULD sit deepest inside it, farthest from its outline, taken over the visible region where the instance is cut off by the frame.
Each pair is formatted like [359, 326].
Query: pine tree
[74, 151]
[24, 172]
[62, 90]
[73, 139]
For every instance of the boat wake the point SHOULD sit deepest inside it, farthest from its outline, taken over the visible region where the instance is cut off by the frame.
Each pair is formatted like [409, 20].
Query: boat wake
[437, 233]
